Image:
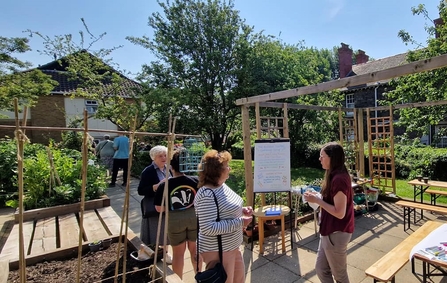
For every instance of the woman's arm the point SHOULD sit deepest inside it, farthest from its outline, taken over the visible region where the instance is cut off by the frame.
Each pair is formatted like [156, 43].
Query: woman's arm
[338, 209]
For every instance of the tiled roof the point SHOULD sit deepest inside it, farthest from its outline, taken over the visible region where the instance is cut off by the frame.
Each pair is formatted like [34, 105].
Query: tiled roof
[380, 64]
[56, 69]
[374, 66]
[67, 85]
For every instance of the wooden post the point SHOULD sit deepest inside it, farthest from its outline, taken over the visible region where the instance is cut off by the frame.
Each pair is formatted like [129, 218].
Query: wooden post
[370, 141]
[361, 143]
[340, 125]
[20, 139]
[247, 155]
[285, 121]
[393, 168]
[85, 143]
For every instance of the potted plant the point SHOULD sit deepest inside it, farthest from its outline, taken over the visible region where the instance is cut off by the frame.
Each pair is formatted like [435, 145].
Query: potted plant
[106, 243]
[94, 246]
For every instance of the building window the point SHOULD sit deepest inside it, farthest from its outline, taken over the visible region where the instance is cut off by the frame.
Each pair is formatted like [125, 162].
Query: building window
[350, 104]
[440, 138]
[91, 106]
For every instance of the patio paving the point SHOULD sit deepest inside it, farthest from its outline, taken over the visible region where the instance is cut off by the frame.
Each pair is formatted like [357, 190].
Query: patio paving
[375, 234]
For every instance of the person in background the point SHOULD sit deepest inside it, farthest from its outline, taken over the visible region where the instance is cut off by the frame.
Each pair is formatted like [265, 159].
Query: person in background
[337, 215]
[150, 179]
[182, 223]
[105, 151]
[120, 158]
[215, 171]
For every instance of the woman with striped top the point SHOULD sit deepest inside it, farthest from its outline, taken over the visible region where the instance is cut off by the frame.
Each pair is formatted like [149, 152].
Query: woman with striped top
[233, 217]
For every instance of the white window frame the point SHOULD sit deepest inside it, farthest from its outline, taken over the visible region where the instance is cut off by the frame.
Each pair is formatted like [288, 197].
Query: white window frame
[350, 103]
[91, 106]
[442, 143]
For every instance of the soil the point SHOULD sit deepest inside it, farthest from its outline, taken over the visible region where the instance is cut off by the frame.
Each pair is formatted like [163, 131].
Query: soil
[95, 267]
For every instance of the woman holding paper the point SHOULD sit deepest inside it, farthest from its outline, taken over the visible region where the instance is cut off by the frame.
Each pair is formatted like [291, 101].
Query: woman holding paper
[337, 215]
[233, 217]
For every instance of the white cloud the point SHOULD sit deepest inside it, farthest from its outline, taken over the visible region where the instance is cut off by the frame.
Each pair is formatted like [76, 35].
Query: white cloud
[333, 8]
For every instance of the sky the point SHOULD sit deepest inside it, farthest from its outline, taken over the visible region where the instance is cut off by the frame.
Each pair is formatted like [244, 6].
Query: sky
[371, 26]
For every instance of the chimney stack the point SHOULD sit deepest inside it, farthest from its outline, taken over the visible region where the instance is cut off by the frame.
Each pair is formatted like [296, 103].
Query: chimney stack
[361, 57]
[438, 22]
[344, 60]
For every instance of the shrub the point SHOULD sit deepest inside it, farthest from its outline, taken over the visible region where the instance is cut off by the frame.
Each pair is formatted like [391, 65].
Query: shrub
[39, 189]
[8, 166]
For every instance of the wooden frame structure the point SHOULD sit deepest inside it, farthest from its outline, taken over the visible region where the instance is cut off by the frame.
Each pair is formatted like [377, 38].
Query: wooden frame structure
[124, 233]
[265, 100]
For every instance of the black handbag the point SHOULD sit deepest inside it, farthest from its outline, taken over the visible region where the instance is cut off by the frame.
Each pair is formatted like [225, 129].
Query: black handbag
[216, 274]
[148, 207]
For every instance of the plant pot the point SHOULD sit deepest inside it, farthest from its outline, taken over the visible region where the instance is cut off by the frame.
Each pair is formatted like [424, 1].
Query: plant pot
[95, 246]
[270, 225]
[248, 232]
[106, 243]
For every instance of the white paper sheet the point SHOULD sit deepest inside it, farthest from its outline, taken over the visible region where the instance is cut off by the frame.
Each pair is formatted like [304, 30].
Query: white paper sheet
[433, 239]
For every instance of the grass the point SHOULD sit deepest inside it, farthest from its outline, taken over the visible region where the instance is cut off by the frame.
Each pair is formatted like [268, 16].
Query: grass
[303, 176]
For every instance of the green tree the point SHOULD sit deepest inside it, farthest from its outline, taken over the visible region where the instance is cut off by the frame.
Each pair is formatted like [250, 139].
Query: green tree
[26, 86]
[198, 46]
[426, 86]
[273, 66]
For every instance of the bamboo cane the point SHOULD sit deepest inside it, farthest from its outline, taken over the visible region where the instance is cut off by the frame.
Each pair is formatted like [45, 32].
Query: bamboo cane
[83, 186]
[20, 144]
[125, 216]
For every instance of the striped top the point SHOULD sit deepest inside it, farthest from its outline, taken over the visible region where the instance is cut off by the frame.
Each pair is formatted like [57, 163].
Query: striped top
[230, 224]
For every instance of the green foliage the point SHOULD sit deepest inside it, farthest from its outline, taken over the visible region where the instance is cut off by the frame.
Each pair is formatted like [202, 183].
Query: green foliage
[199, 44]
[15, 83]
[426, 161]
[39, 190]
[141, 159]
[8, 166]
[425, 86]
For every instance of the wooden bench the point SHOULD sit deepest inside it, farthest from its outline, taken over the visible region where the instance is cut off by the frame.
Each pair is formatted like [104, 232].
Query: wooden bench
[410, 207]
[386, 268]
[434, 194]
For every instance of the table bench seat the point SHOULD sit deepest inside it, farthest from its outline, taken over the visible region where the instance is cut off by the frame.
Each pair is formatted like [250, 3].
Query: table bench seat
[434, 194]
[386, 268]
[410, 207]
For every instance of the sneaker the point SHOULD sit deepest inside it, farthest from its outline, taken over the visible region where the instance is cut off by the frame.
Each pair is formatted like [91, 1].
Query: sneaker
[111, 185]
[168, 258]
[124, 183]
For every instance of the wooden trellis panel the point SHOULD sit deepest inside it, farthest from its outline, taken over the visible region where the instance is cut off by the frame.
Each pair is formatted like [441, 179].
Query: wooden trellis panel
[351, 134]
[381, 150]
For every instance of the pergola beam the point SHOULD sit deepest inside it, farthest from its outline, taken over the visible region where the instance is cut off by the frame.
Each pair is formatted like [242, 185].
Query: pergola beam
[399, 71]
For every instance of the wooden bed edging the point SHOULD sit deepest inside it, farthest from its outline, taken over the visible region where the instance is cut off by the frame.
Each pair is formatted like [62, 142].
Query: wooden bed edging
[45, 212]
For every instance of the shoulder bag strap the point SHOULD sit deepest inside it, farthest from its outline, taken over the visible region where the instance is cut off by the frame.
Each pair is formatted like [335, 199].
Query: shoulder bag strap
[219, 237]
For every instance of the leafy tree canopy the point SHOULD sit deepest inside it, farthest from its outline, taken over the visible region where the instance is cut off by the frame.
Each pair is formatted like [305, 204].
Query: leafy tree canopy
[26, 86]
[199, 45]
[426, 86]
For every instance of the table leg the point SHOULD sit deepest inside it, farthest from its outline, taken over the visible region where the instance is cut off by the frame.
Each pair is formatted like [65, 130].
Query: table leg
[283, 228]
[261, 234]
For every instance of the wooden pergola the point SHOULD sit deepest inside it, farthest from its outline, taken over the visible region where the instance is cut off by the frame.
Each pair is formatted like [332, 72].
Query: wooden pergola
[267, 100]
